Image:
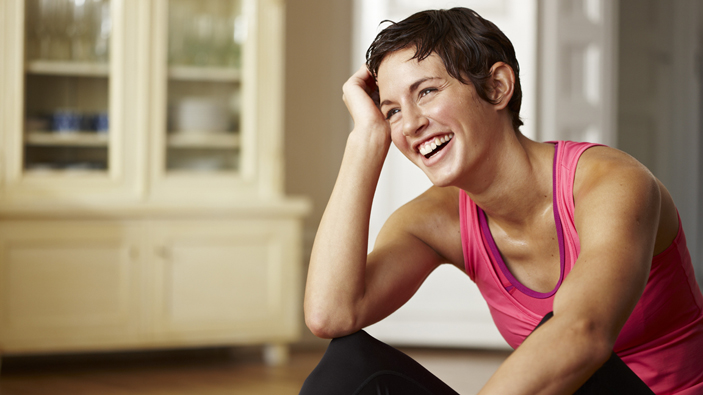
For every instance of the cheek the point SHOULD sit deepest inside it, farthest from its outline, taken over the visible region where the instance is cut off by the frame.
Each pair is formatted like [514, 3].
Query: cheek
[447, 111]
[401, 143]
[404, 149]
[399, 139]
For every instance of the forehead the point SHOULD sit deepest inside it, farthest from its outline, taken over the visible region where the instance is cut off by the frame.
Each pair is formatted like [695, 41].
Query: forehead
[399, 69]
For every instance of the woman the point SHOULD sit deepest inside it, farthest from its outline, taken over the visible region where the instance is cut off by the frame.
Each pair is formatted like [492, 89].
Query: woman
[579, 239]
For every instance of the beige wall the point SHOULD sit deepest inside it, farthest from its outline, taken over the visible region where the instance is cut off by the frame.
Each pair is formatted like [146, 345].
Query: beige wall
[318, 48]
[659, 103]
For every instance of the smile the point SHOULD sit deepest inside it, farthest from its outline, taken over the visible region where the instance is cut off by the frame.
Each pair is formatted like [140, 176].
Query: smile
[435, 145]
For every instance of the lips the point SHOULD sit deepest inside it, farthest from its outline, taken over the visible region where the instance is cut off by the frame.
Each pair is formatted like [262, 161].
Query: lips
[434, 145]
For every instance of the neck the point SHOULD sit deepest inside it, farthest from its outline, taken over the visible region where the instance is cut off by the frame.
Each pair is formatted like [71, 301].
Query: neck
[516, 182]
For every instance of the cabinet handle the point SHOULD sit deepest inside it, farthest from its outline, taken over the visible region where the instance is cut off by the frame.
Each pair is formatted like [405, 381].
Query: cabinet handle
[163, 252]
[134, 253]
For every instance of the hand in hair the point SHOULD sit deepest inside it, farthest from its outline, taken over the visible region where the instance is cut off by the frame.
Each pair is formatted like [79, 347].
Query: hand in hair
[362, 100]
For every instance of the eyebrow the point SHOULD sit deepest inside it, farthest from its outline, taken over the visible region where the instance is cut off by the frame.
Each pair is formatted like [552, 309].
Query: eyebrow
[412, 87]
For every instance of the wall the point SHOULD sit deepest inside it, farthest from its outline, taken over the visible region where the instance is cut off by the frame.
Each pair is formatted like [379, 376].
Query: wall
[318, 48]
[659, 120]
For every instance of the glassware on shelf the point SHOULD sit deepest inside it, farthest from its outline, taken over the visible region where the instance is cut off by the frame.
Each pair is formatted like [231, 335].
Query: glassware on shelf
[78, 29]
[205, 33]
[44, 27]
[67, 103]
[67, 121]
[102, 27]
[68, 30]
[67, 85]
[204, 55]
[199, 115]
[202, 126]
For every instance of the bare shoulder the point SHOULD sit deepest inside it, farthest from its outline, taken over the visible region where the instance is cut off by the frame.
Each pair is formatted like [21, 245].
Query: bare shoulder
[432, 218]
[614, 178]
[600, 166]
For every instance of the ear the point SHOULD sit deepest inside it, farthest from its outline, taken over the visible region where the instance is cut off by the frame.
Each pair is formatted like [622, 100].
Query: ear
[502, 84]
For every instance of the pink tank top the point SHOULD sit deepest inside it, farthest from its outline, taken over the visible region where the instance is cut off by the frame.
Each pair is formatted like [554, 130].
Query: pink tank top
[662, 341]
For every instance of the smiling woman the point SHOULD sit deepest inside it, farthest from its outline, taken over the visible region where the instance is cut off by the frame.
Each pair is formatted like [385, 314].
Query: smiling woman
[577, 249]
[424, 103]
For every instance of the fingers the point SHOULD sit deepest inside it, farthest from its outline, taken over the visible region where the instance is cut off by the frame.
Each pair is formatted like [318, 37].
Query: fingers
[361, 97]
[361, 78]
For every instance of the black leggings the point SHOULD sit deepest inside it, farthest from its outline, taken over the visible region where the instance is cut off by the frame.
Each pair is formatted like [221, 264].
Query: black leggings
[359, 364]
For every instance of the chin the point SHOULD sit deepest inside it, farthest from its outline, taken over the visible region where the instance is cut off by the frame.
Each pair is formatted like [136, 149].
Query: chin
[444, 180]
[442, 184]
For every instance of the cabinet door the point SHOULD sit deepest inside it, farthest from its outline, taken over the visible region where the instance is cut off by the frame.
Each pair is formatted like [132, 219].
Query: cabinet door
[74, 98]
[68, 285]
[217, 86]
[226, 281]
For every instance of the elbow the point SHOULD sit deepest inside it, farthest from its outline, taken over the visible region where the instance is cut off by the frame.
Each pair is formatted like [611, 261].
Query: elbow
[318, 326]
[599, 353]
[596, 342]
[327, 325]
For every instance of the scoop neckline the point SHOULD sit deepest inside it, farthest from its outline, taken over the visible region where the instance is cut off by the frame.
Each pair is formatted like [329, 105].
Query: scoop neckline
[560, 236]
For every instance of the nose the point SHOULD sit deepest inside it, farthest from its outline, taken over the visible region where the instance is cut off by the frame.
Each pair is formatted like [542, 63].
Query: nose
[413, 120]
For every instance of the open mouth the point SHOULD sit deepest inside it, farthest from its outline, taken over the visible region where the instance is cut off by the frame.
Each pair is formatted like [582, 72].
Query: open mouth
[431, 147]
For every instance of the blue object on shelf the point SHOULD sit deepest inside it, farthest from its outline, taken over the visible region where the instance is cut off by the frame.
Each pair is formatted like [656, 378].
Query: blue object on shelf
[66, 121]
[101, 122]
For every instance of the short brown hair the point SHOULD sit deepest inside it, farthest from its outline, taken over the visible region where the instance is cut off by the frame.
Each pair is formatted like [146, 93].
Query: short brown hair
[467, 44]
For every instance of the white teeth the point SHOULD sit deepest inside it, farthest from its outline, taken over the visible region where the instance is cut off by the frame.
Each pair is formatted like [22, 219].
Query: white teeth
[432, 145]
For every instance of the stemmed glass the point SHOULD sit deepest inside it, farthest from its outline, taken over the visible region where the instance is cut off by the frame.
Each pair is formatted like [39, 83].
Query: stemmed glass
[77, 29]
[101, 30]
[42, 13]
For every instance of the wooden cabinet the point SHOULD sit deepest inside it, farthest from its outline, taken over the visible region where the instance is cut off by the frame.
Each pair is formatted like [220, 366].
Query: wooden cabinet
[141, 189]
[110, 284]
[69, 285]
[141, 123]
[223, 281]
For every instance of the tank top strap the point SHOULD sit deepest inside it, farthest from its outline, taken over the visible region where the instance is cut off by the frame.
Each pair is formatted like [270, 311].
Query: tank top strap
[565, 172]
[467, 210]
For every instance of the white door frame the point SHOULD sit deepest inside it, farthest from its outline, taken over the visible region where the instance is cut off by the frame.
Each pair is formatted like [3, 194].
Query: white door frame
[578, 70]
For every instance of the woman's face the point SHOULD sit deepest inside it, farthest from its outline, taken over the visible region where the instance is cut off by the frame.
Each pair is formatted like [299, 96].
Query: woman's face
[437, 122]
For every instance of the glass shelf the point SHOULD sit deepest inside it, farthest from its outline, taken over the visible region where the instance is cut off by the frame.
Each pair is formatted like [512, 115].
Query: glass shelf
[78, 170]
[68, 68]
[195, 73]
[213, 140]
[69, 139]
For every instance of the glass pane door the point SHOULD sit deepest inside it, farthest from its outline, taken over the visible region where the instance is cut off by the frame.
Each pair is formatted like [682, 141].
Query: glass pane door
[205, 39]
[67, 46]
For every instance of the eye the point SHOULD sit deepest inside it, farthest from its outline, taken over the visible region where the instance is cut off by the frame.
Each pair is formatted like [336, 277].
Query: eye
[392, 112]
[426, 91]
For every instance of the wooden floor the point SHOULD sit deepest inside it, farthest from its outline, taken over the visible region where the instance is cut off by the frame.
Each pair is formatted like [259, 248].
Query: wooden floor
[209, 372]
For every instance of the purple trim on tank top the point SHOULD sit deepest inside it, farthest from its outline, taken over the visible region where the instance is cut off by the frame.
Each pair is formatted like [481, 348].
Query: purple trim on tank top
[560, 236]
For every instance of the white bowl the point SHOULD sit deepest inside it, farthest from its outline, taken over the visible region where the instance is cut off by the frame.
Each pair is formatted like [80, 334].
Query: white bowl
[197, 114]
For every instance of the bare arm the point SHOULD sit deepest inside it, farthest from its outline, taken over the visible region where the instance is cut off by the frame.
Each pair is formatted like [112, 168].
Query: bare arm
[617, 216]
[346, 290]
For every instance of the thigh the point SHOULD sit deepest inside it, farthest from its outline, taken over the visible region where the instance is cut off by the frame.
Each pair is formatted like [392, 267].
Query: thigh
[614, 378]
[359, 364]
